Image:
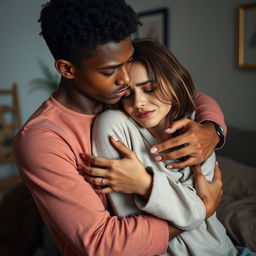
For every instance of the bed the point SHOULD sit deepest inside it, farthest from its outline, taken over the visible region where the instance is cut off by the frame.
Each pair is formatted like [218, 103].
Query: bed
[237, 210]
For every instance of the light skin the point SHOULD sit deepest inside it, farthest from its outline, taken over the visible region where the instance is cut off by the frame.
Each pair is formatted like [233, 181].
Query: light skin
[103, 79]
[140, 103]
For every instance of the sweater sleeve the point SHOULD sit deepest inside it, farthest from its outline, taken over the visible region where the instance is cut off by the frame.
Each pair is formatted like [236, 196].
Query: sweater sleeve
[207, 109]
[73, 210]
[177, 201]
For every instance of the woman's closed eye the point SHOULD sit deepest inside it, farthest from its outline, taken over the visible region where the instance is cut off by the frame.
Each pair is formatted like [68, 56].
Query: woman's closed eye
[148, 88]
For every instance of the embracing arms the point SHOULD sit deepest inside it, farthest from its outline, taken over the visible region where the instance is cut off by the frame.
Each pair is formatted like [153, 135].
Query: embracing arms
[171, 197]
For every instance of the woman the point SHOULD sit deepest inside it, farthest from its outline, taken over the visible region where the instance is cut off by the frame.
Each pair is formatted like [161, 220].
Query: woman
[161, 91]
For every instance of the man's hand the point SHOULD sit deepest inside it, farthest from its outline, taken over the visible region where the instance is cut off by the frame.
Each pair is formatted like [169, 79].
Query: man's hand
[196, 143]
[173, 231]
[126, 175]
[209, 192]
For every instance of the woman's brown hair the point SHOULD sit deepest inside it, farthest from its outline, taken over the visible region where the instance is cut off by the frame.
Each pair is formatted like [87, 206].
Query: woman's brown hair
[174, 83]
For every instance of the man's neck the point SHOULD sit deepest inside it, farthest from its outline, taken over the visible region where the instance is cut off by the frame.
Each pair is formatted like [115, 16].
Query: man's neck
[74, 100]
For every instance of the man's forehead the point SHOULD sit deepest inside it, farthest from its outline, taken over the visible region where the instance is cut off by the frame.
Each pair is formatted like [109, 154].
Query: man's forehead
[113, 53]
[115, 47]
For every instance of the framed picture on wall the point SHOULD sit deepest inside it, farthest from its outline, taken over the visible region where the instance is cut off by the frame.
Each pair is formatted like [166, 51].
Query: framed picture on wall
[247, 36]
[154, 25]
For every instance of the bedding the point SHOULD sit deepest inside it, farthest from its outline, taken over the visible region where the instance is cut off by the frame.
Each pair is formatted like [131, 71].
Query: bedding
[237, 211]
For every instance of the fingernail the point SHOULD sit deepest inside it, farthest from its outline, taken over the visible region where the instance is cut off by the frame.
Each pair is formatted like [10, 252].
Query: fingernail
[169, 166]
[114, 138]
[158, 158]
[153, 150]
[168, 130]
[217, 163]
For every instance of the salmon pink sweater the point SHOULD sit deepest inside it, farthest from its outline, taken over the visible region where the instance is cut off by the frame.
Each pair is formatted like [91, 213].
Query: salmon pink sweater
[47, 151]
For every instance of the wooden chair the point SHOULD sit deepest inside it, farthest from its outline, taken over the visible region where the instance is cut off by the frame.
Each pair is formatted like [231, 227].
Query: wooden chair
[10, 122]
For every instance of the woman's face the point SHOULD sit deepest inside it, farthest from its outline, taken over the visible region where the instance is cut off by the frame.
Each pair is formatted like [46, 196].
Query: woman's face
[140, 102]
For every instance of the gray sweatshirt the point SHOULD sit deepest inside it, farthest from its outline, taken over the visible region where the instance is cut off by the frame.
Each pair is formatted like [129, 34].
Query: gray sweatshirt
[173, 196]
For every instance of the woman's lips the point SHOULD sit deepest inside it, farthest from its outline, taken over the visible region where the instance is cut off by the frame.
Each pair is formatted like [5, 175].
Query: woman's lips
[145, 114]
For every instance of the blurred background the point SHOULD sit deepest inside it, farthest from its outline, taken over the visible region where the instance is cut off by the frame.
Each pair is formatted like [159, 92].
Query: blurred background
[202, 35]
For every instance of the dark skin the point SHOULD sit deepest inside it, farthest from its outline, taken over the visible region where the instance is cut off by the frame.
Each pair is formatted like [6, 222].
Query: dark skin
[103, 79]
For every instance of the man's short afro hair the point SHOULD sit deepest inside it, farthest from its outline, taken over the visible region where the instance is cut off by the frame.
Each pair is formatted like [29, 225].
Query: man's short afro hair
[73, 29]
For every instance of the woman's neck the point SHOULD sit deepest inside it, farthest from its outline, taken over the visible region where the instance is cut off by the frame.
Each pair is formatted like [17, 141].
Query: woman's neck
[158, 131]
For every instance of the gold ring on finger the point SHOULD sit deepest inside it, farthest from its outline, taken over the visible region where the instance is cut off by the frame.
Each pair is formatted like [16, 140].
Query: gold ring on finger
[102, 182]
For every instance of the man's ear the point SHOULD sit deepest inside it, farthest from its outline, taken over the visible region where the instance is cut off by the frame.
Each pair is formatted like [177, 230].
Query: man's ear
[65, 68]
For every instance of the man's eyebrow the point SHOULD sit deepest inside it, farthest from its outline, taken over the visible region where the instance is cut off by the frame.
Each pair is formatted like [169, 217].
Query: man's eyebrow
[145, 82]
[116, 66]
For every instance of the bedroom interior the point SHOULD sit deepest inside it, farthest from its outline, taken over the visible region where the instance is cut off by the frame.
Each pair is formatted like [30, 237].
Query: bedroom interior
[206, 38]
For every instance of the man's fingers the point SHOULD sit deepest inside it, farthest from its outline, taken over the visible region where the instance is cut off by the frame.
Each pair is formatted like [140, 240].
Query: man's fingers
[176, 125]
[217, 176]
[177, 154]
[196, 169]
[168, 144]
[178, 165]
[217, 172]
[126, 152]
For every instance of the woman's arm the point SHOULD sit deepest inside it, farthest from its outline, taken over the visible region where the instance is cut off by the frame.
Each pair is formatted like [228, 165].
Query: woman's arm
[177, 200]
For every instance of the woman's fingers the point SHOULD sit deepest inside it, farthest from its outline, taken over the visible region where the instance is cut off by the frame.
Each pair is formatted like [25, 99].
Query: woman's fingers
[93, 171]
[105, 190]
[121, 148]
[105, 162]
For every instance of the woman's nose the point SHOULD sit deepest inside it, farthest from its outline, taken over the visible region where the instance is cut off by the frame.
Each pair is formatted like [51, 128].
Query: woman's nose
[139, 99]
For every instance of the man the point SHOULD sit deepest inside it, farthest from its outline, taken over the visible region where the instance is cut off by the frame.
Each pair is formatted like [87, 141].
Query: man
[90, 41]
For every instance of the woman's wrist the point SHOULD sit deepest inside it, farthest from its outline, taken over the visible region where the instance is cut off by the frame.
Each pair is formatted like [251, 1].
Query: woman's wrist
[145, 189]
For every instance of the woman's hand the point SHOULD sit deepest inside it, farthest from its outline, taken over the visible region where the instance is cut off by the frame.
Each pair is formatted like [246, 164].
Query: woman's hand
[196, 143]
[209, 192]
[126, 175]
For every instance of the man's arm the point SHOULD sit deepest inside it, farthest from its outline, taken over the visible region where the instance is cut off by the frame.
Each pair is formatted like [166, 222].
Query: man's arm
[198, 140]
[72, 210]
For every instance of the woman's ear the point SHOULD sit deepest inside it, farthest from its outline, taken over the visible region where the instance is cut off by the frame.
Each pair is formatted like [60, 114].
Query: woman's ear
[65, 68]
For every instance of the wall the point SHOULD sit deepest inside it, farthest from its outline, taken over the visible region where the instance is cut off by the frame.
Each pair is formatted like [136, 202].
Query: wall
[202, 36]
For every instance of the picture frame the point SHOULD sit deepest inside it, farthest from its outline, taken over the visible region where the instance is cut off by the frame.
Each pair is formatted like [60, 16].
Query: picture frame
[247, 36]
[154, 25]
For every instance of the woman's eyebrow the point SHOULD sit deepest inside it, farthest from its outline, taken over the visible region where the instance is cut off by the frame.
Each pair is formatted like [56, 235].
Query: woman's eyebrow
[145, 82]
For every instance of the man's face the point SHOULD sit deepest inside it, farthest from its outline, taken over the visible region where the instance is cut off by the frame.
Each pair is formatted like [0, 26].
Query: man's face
[105, 77]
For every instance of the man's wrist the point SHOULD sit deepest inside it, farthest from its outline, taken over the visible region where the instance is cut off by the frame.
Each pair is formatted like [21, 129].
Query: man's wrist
[219, 131]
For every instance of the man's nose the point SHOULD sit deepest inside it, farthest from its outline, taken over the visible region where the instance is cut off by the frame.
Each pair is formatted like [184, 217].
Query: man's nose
[124, 76]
